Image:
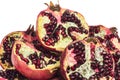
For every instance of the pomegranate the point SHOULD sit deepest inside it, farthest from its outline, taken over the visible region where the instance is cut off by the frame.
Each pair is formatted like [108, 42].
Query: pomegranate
[32, 63]
[57, 27]
[11, 74]
[6, 50]
[8, 41]
[110, 39]
[112, 42]
[107, 36]
[87, 60]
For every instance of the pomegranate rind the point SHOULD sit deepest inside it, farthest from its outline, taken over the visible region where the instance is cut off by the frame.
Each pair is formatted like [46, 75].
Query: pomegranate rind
[29, 70]
[2, 78]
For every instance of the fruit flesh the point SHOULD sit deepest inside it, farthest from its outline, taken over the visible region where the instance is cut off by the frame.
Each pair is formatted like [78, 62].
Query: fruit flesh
[82, 63]
[70, 32]
[30, 68]
[5, 48]
[55, 38]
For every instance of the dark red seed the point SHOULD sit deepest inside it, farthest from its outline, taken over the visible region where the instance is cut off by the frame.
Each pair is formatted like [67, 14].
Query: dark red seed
[100, 39]
[24, 59]
[97, 29]
[18, 46]
[73, 68]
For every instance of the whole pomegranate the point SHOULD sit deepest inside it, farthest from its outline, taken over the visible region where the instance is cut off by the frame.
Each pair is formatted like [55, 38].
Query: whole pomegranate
[57, 27]
[33, 63]
[87, 60]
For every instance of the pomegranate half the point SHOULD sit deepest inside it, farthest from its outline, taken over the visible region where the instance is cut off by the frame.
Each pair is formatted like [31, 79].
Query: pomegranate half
[110, 39]
[32, 63]
[87, 60]
[8, 41]
[57, 27]
[9, 72]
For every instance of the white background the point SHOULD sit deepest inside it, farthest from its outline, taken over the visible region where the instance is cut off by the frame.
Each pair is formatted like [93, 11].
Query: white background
[16, 15]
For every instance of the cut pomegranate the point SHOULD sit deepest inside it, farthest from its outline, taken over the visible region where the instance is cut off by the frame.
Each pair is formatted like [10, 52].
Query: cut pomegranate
[110, 39]
[8, 41]
[11, 74]
[87, 60]
[87, 52]
[57, 27]
[34, 64]
[107, 36]
[6, 50]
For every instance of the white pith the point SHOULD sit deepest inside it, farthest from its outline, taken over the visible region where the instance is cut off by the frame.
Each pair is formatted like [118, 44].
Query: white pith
[41, 22]
[68, 24]
[26, 50]
[98, 56]
[78, 36]
[85, 69]
[101, 34]
[116, 43]
[118, 61]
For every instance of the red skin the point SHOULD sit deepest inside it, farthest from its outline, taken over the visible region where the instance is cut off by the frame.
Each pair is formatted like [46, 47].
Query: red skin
[2, 78]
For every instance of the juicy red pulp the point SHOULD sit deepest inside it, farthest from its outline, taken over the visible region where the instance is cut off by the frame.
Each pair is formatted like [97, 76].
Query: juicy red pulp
[67, 17]
[38, 60]
[7, 54]
[12, 74]
[9, 40]
[107, 38]
[53, 30]
[93, 30]
[104, 69]
[108, 41]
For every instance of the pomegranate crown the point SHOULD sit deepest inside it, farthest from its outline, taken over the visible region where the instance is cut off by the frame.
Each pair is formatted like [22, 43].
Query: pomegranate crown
[53, 7]
[30, 30]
